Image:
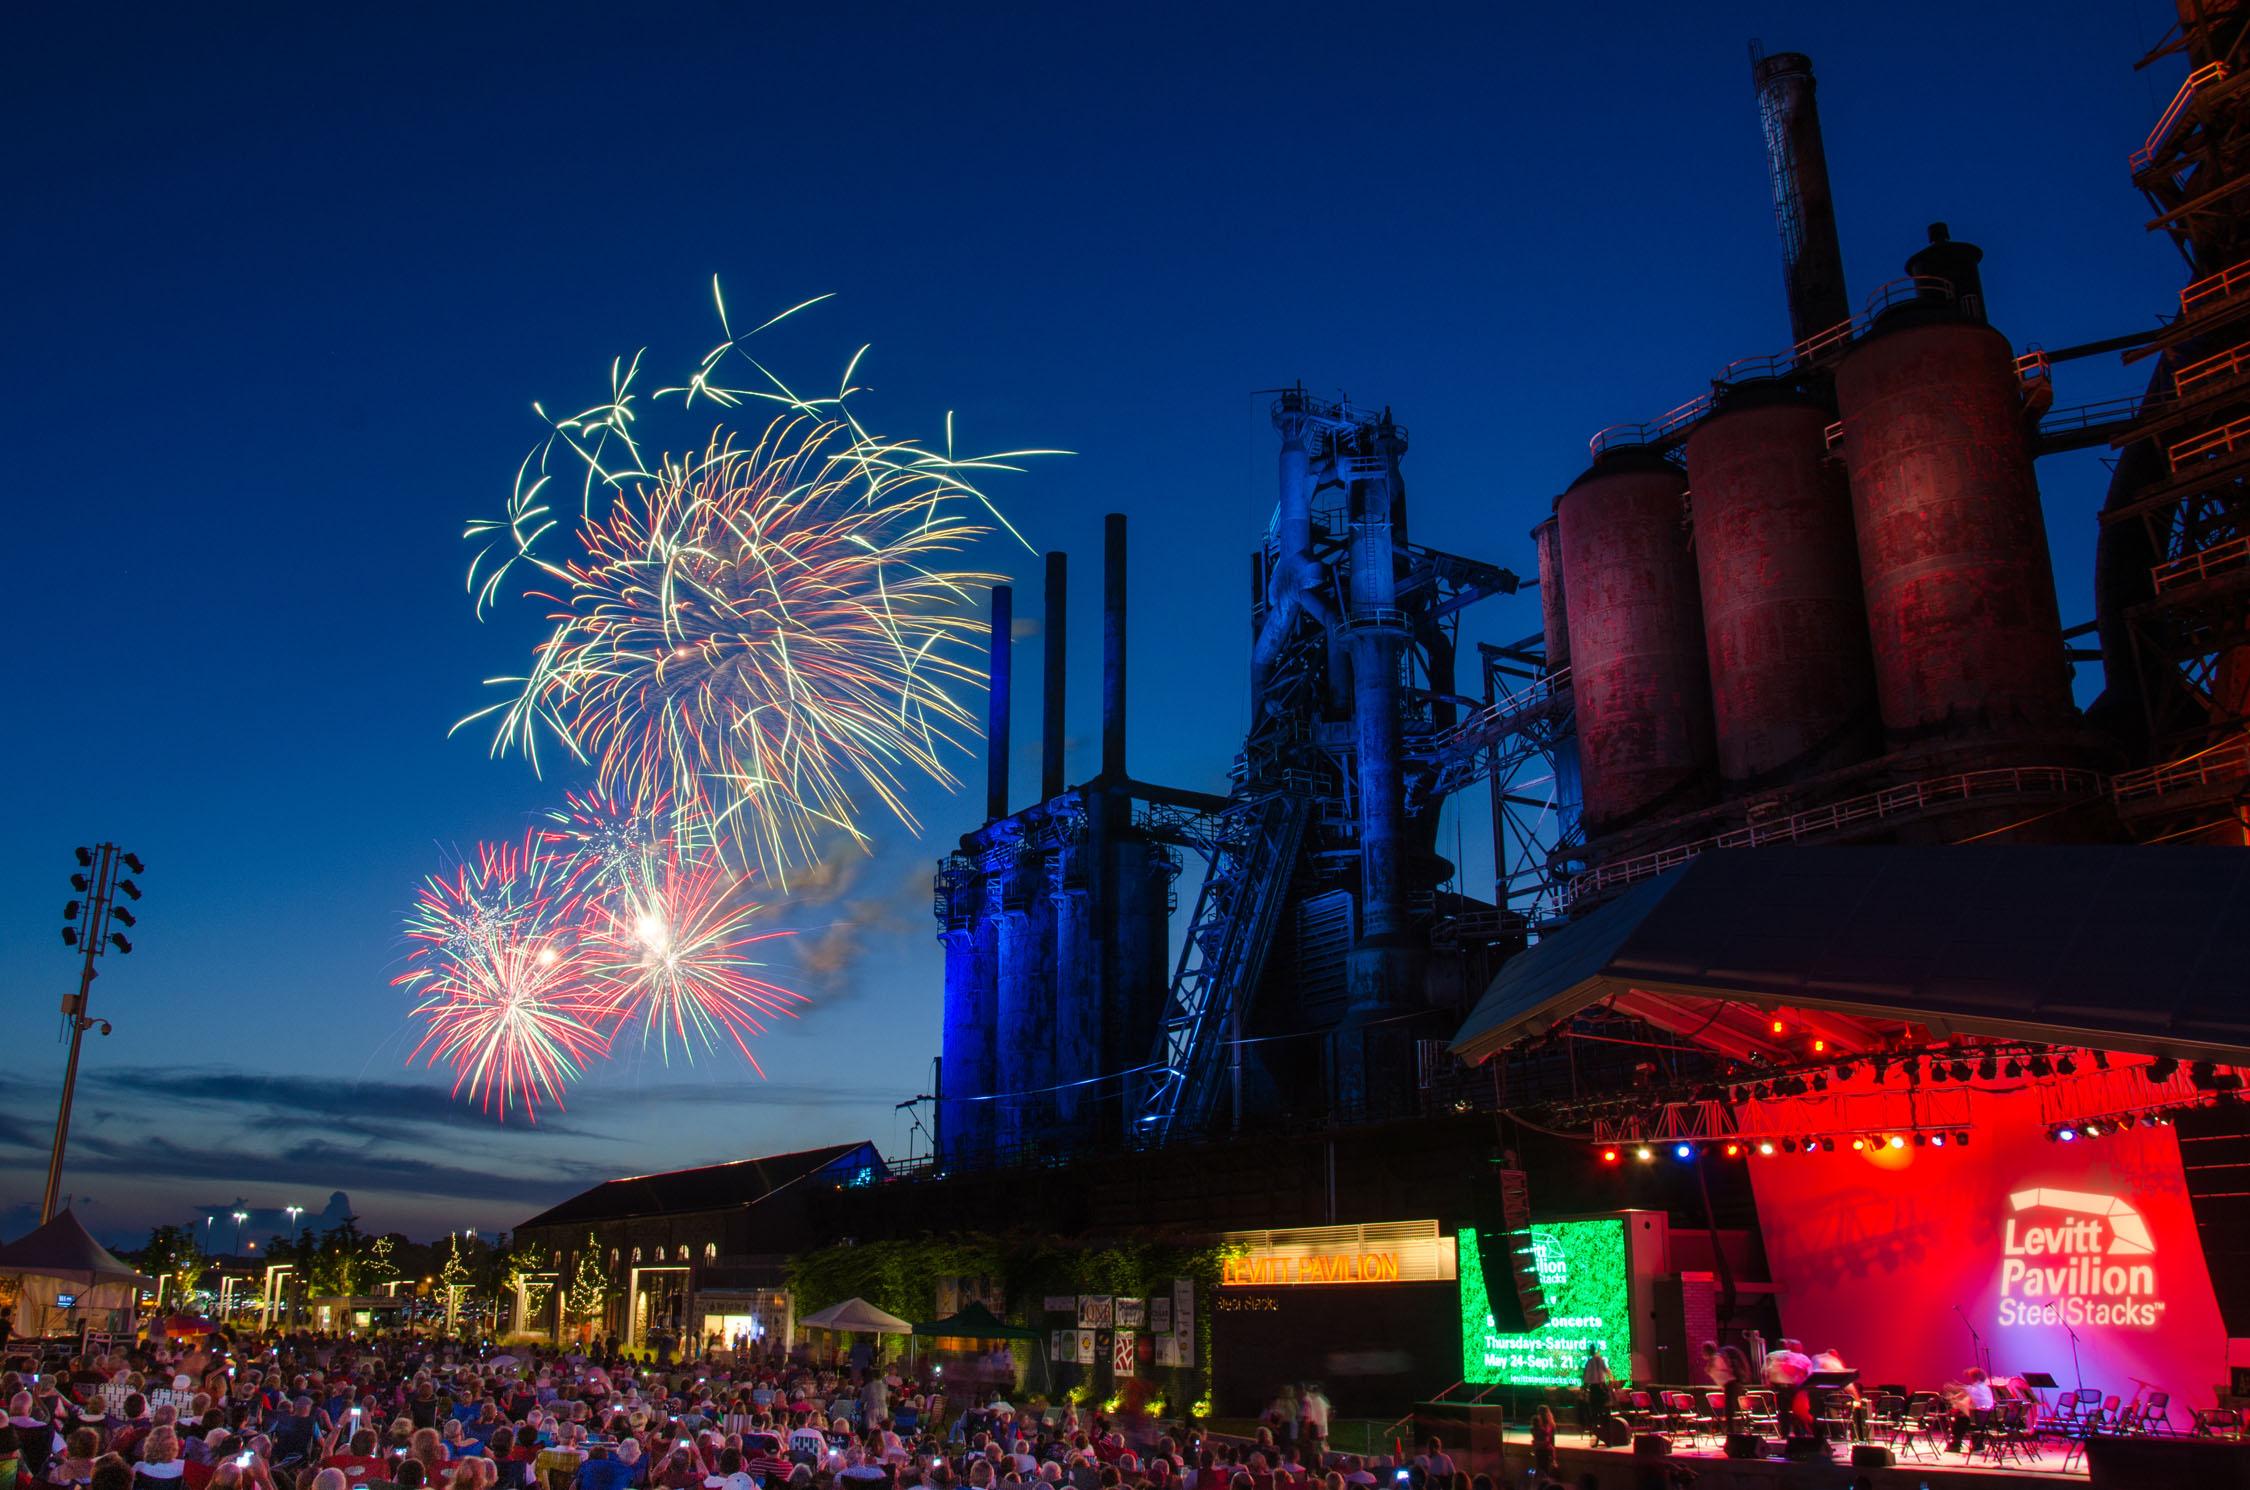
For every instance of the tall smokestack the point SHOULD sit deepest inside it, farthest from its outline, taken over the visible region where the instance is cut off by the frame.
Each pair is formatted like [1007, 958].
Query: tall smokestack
[1812, 262]
[996, 711]
[1113, 648]
[1056, 620]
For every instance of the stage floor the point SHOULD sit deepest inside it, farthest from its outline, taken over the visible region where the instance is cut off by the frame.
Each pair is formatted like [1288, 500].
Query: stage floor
[1614, 1469]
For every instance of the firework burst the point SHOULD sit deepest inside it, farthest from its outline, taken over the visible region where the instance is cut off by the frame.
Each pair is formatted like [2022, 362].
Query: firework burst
[495, 959]
[673, 953]
[751, 637]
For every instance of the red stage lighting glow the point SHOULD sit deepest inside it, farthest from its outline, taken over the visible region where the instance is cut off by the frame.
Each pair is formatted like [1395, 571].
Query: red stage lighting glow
[1609, 1156]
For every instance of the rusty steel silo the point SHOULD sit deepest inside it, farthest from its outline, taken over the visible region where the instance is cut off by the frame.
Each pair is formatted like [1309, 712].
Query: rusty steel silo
[1792, 683]
[1636, 641]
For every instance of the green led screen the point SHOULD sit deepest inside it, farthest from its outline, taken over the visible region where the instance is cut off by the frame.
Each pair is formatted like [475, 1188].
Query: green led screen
[1582, 1269]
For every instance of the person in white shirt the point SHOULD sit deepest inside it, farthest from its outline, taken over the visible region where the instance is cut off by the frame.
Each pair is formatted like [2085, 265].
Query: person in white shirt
[1972, 1404]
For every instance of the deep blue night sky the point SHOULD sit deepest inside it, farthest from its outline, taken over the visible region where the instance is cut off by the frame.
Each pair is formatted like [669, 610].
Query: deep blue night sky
[284, 280]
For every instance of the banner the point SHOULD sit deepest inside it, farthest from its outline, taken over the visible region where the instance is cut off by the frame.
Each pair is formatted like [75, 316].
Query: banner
[1132, 1314]
[1160, 1316]
[1183, 1319]
[1096, 1311]
[1121, 1355]
[1085, 1347]
[1062, 1303]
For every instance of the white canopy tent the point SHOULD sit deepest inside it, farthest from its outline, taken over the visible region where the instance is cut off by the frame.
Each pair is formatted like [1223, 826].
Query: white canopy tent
[69, 1281]
[856, 1316]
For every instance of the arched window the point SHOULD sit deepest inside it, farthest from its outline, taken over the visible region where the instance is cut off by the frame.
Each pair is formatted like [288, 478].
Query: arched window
[710, 1251]
[683, 1252]
[636, 1254]
[613, 1257]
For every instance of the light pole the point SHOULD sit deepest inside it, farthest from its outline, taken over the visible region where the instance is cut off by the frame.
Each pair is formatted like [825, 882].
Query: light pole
[239, 1218]
[90, 925]
[294, 1212]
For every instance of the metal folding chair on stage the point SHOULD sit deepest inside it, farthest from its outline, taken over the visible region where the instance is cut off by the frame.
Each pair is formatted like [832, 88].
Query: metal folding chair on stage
[2009, 1436]
[2218, 1422]
[1761, 1413]
[1681, 1415]
[2154, 1416]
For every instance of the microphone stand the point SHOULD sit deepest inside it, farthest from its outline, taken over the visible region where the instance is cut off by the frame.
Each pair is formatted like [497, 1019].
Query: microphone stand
[2074, 1367]
[1977, 1353]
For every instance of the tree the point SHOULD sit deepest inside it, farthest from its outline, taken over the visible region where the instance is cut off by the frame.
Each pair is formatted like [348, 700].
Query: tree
[528, 1278]
[589, 1287]
[349, 1262]
[171, 1253]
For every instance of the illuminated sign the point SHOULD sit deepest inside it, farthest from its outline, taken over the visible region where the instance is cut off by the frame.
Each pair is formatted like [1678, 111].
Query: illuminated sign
[1583, 1272]
[1384, 1252]
[2079, 1259]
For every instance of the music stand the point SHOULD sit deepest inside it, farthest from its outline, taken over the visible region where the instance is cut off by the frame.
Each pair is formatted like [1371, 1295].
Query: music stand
[2041, 1380]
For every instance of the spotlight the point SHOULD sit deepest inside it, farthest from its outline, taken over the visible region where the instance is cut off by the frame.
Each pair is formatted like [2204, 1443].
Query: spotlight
[70, 911]
[1961, 1071]
[132, 890]
[1858, 1145]
[2162, 1069]
[1961, 1139]
[1734, 1150]
[1766, 1149]
[117, 940]
[133, 862]
[1843, 1070]
[1644, 1153]
[80, 883]
[1897, 1142]
[85, 858]
[2203, 1076]
[1820, 1082]
[2065, 1134]
[1609, 1156]
[2093, 1130]
[2066, 1067]
[1827, 1145]
[119, 913]
[1937, 1140]
[1682, 1151]
[1922, 1140]
[2013, 1069]
[2129, 1120]
[1779, 1028]
[1789, 1145]
[1820, 1047]
[2041, 1066]
[1987, 1069]
[70, 936]
[2101, 1060]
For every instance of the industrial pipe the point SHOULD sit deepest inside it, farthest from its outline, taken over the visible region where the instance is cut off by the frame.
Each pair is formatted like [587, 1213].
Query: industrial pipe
[1056, 621]
[1812, 261]
[1113, 649]
[1294, 583]
[996, 710]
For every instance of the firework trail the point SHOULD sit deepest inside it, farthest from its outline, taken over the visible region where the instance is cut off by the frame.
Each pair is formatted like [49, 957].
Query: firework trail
[495, 959]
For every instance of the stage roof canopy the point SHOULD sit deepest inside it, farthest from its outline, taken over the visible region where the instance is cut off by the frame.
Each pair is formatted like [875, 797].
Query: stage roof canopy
[63, 1249]
[2141, 949]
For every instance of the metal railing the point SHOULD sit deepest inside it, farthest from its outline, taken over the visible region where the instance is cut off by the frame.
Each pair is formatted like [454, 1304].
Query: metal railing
[2213, 288]
[1661, 430]
[2227, 761]
[2224, 440]
[1909, 799]
[2219, 365]
[2203, 77]
[2089, 416]
[2192, 569]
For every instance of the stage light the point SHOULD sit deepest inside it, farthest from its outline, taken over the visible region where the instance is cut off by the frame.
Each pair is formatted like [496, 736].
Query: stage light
[1779, 1028]
[2129, 1120]
[2065, 1135]
[1897, 1141]
[85, 858]
[1644, 1153]
[1843, 1070]
[1812, 1148]
[1734, 1150]
[1682, 1151]
[1961, 1139]
[2101, 1060]
[2066, 1067]
[1937, 1140]
[2013, 1069]
[1766, 1149]
[133, 862]
[2093, 1130]
[2162, 1069]
[1609, 1156]
[1988, 1068]
[1961, 1071]
[1820, 1047]
[1859, 1145]
[70, 936]
[1820, 1082]
[1789, 1145]
[1827, 1145]
[1921, 1140]
[2041, 1066]
[80, 883]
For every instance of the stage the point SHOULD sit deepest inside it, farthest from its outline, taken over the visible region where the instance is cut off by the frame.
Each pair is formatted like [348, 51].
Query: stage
[2120, 1464]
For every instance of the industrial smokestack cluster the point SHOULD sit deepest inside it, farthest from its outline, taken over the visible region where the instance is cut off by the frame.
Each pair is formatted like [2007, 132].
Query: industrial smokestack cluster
[1862, 570]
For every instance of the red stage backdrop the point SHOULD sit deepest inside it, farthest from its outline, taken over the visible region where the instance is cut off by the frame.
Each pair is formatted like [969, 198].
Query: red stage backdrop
[1872, 1252]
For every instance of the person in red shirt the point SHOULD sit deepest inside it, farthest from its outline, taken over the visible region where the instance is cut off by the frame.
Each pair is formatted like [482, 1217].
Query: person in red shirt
[360, 1463]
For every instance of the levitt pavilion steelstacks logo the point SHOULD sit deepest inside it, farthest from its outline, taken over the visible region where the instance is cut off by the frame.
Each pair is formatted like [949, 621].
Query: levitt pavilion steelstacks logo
[2079, 1260]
